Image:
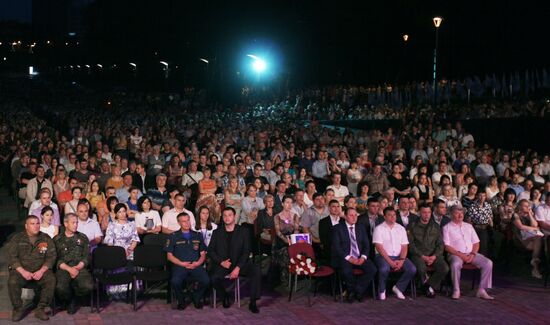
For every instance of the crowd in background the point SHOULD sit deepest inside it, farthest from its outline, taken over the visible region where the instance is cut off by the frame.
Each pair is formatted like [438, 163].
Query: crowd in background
[275, 164]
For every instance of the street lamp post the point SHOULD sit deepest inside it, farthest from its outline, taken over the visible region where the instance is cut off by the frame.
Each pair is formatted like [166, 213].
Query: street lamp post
[437, 22]
[405, 70]
[165, 64]
[207, 72]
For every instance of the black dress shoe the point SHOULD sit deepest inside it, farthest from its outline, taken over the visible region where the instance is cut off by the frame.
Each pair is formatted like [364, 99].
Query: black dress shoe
[72, 308]
[198, 304]
[430, 293]
[181, 306]
[226, 302]
[253, 308]
[349, 298]
[359, 297]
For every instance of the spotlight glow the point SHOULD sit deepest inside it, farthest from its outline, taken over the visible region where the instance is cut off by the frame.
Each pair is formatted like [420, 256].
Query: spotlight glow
[259, 65]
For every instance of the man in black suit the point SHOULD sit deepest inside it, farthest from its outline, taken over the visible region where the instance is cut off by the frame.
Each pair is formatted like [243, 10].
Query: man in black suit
[370, 220]
[326, 226]
[141, 180]
[280, 192]
[229, 250]
[350, 250]
[404, 217]
[439, 215]
[372, 217]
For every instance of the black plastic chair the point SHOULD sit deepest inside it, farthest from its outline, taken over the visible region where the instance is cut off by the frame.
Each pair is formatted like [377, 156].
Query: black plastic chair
[155, 239]
[150, 266]
[356, 273]
[107, 262]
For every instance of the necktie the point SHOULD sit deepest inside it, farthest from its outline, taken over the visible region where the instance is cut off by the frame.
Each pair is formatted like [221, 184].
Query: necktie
[354, 247]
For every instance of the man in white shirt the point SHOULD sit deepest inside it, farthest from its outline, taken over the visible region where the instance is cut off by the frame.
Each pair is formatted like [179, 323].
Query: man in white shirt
[170, 218]
[484, 170]
[45, 200]
[542, 214]
[193, 175]
[442, 170]
[340, 191]
[391, 242]
[88, 226]
[462, 245]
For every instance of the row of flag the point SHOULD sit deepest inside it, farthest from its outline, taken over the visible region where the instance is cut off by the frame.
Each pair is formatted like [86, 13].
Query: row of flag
[491, 86]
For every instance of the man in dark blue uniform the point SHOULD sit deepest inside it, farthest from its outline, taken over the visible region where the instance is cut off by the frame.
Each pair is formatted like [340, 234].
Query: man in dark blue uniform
[187, 252]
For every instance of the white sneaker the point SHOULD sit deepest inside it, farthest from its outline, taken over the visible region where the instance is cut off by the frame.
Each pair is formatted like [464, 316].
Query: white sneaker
[398, 293]
[431, 290]
[382, 295]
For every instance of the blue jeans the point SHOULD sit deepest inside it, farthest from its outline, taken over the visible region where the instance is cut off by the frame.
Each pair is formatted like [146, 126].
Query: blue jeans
[408, 271]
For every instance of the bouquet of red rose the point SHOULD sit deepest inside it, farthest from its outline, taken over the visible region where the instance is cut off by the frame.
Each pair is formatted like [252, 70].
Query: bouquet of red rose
[302, 265]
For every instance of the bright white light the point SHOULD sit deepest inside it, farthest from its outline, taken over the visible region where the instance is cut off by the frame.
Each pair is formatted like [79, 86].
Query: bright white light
[164, 63]
[100, 66]
[87, 66]
[259, 65]
[133, 64]
[253, 57]
[437, 21]
[32, 72]
[204, 60]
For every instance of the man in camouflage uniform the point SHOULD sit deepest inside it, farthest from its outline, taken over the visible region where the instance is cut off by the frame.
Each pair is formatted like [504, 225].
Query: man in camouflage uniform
[72, 258]
[30, 259]
[426, 249]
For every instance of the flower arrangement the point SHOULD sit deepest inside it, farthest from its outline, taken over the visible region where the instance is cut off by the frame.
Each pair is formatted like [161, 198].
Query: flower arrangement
[302, 265]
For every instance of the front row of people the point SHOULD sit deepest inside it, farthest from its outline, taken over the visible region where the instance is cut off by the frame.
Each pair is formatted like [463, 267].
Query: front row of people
[420, 249]
[33, 255]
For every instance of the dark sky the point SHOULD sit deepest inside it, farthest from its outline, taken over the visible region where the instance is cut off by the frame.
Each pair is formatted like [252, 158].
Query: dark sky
[325, 41]
[19, 10]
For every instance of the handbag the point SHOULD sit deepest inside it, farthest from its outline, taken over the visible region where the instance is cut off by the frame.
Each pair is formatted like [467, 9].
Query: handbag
[528, 234]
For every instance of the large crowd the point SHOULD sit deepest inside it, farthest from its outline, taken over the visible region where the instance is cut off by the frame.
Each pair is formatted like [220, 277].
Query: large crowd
[225, 186]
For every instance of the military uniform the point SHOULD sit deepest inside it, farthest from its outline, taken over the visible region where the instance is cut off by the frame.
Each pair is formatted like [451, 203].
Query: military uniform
[31, 253]
[426, 239]
[187, 250]
[72, 251]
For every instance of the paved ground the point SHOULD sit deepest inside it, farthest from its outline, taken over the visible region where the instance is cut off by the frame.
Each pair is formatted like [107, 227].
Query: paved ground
[519, 300]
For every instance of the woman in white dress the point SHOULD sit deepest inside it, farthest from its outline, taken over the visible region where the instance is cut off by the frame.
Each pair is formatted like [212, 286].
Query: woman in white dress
[46, 226]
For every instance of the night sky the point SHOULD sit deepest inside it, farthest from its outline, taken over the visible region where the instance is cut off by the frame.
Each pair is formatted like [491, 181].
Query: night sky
[321, 41]
[19, 10]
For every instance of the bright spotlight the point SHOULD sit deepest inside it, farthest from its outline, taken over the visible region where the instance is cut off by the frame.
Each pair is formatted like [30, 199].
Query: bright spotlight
[259, 65]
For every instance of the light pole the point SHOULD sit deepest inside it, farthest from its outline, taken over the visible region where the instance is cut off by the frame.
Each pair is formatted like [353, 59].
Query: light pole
[207, 73]
[437, 22]
[134, 68]
[405, 41]
[165, 64]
